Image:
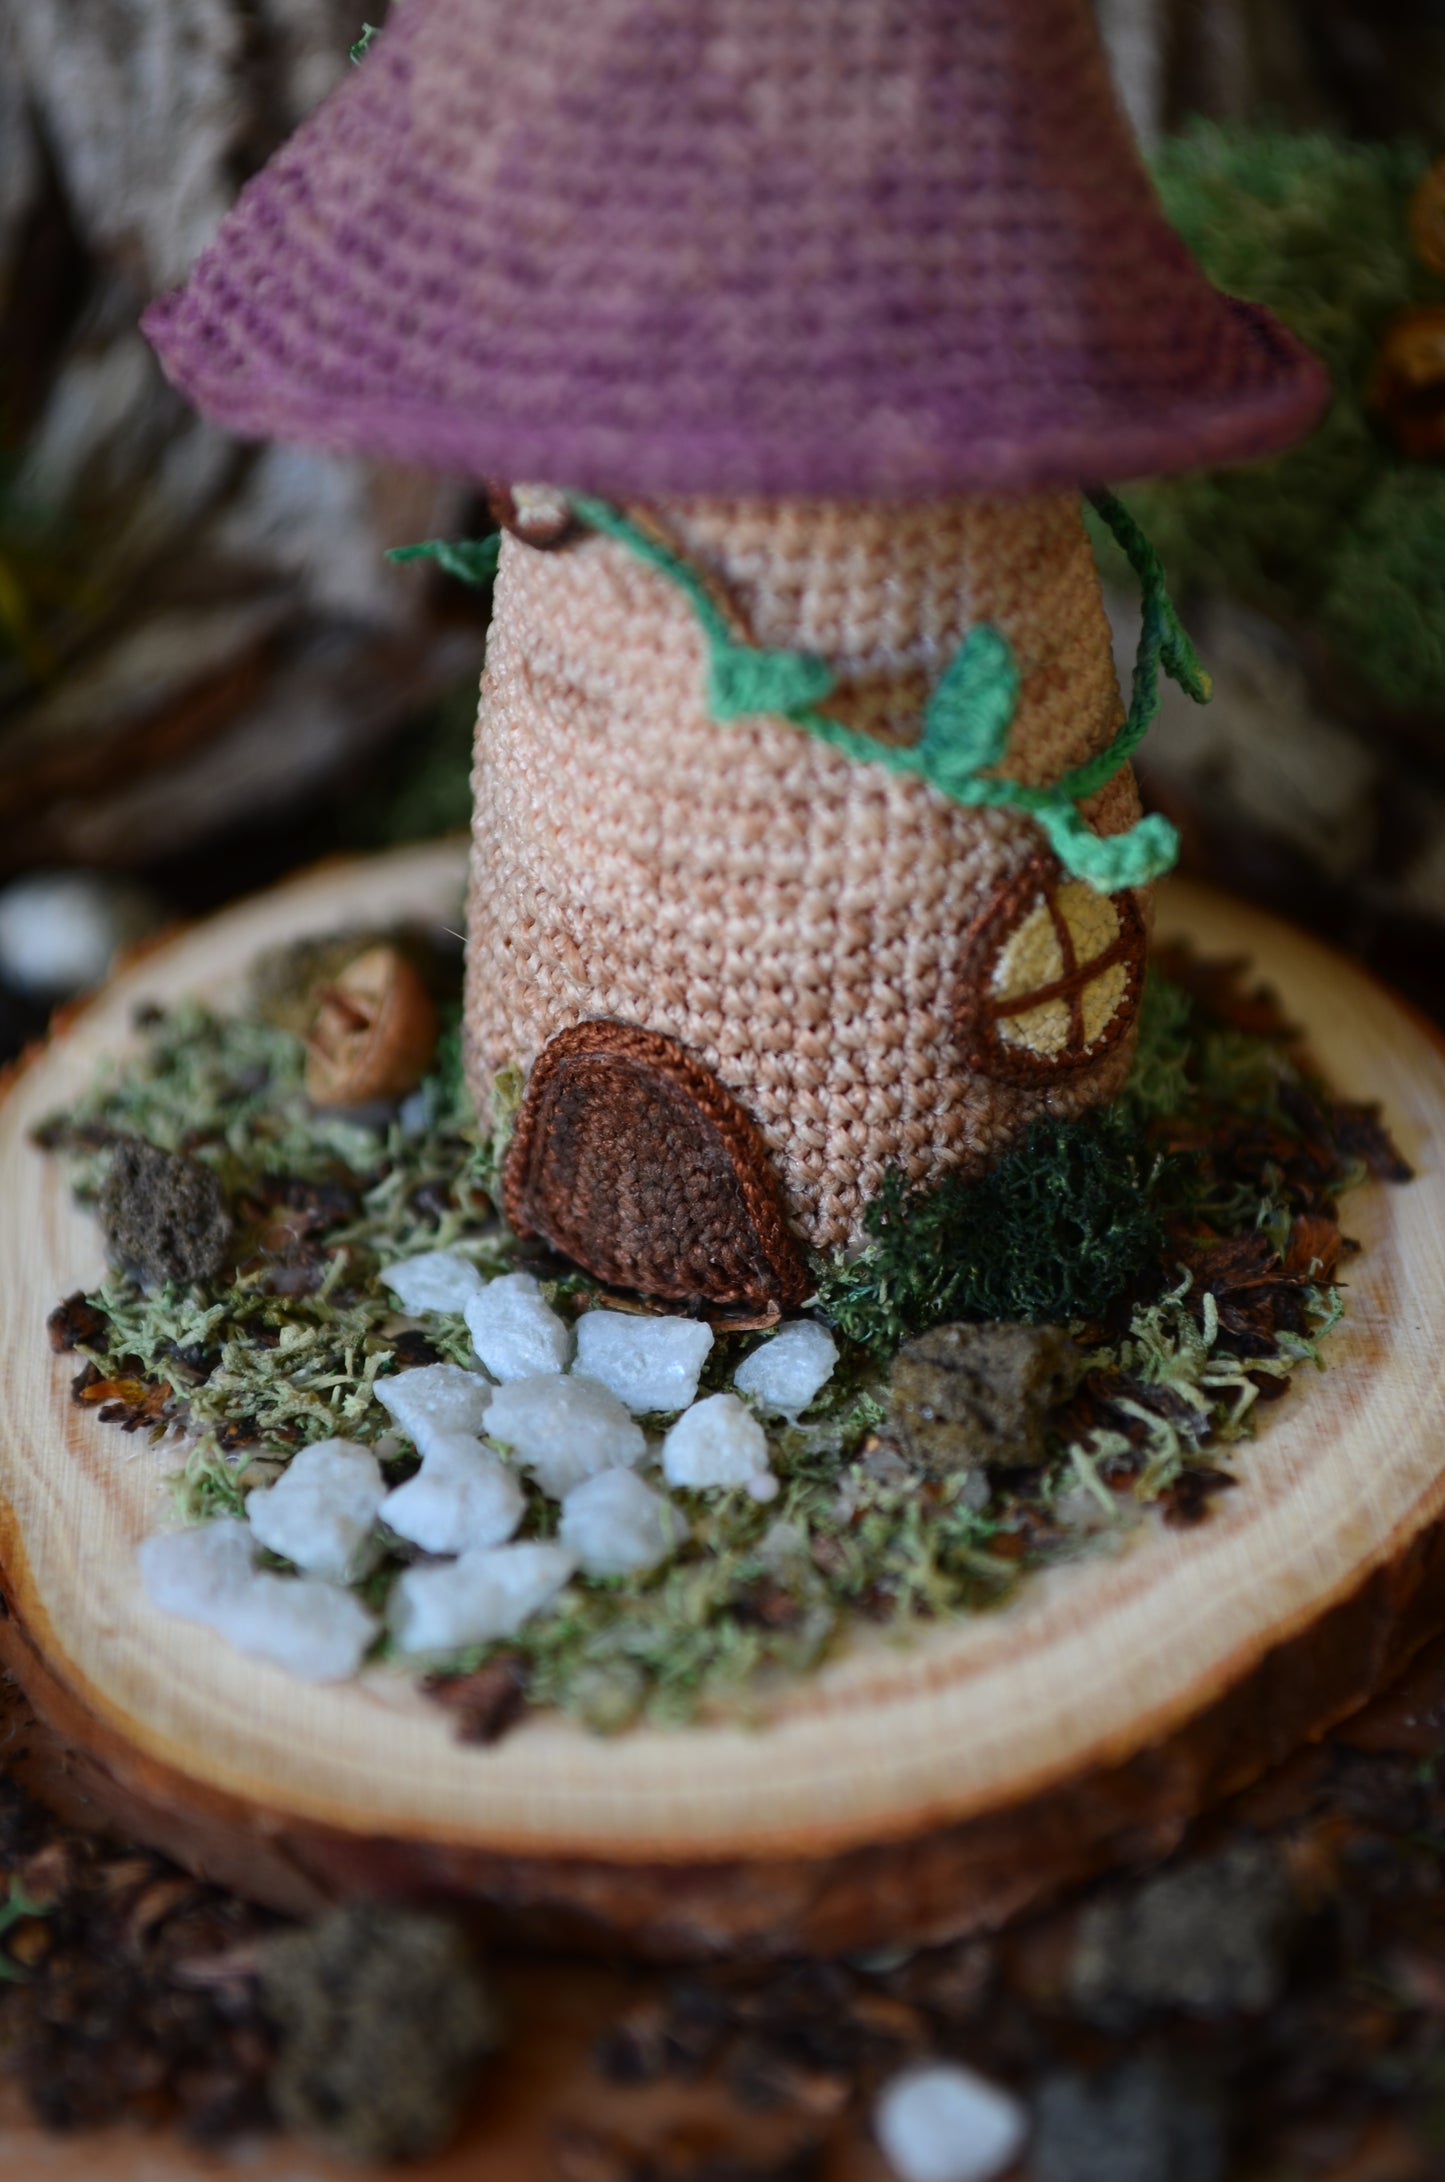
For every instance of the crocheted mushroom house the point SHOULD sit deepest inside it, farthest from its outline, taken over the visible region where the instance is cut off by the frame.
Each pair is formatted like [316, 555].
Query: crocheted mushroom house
[806, 845]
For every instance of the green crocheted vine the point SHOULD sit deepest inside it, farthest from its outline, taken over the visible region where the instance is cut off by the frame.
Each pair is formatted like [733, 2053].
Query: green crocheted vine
[968, 719]
[470, 560]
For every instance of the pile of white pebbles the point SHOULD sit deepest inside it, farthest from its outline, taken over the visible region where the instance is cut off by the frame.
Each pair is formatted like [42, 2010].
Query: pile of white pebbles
[559, 1404]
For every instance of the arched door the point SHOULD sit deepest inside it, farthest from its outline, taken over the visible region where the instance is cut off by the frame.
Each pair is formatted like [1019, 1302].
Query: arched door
[631, 1159]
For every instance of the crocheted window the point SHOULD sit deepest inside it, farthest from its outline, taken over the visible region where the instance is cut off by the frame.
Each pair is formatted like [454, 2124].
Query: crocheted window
[1053, 975]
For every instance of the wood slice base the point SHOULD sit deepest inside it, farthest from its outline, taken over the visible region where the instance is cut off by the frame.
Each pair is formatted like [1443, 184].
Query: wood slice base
[905, 1793]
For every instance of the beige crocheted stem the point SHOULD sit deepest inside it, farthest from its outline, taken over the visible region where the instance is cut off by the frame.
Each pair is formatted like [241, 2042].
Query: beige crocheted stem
[800, 922]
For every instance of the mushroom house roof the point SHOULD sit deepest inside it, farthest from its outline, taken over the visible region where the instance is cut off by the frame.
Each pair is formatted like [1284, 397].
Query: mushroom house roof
[877, 249]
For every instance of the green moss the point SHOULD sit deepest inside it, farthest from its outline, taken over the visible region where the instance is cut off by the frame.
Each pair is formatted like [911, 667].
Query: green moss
[1052, 1233]
[249, 1364]
[1385, 601]
[1054, 1230]
[1316, 229]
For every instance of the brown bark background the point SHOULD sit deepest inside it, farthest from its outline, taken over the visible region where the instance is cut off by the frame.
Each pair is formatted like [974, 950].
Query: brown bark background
[1365, 67]
[193, 633]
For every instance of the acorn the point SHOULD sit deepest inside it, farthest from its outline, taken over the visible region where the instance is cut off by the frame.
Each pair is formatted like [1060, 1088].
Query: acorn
[1427, 219]
[374, 1034]
[1407, 385]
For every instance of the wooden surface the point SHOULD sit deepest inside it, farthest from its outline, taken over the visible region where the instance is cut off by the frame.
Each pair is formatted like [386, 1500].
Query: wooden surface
[1003, 1755]
[543, 2089]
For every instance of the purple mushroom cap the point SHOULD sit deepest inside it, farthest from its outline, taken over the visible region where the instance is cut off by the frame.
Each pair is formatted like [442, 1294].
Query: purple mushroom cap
[874, 249]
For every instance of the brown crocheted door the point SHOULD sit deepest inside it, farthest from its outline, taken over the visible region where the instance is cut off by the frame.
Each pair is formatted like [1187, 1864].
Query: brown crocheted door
[630, 1158]
[1053, 974]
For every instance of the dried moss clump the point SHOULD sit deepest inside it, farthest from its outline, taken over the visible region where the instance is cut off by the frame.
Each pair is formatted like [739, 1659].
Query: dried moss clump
[163, 1214]
[383, 2018]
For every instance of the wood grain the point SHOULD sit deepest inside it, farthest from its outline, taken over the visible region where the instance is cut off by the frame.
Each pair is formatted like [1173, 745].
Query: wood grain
[904, 1792]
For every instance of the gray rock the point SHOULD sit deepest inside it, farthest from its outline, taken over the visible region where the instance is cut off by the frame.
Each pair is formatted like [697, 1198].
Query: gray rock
[163, 1214]
[383, 2018]
[963, 1396]
[1211, 1938]
[1142, 2122]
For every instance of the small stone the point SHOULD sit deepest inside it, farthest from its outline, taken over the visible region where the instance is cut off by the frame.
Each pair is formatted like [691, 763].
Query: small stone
[437, 1280]
[1211, 1937]
[515, 1333]
[717, 1442]
[1142, 2122]
[321, 1513]
[383, 2018]
[481, 1596]
[786, 1373]
[188, 1572]
[615, 1524]
[942, 2123]
[436, 1401]
[460, 1499]
[60, 931]
[317, 1631]
[652, 1364]
[163, 1214]
[564, 1430]
[968, 1395]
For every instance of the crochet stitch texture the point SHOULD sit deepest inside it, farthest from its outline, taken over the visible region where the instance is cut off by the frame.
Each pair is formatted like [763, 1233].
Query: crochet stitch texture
[799, 922]
[862, 248]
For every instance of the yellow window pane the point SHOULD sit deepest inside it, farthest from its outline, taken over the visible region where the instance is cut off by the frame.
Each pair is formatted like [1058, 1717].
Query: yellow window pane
[1102, 998]
[1030, 957]
[1042, 1031]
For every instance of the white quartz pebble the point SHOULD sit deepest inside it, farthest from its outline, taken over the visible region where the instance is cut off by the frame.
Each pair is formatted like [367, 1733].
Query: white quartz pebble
[942, 2123]
[717, 1442]
[649, 1363]
[461, 1498]
[435, 1401]
[784, 1374]
[615, 1524]
[515, 1333]
[188, 1572]
[437, 1280]
[321, 1511]
[564, 1429]
[315, 1630]
[60, 930]
[481, 1596]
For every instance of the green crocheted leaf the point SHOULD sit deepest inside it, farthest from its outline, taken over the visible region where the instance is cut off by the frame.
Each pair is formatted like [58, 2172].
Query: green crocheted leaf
[470, 560]
[966, 725]
[1110, 862]
[743, 681]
